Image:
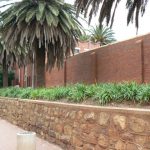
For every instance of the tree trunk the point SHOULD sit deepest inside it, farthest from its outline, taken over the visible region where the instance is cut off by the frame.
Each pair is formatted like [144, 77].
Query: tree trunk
[40, 66]
[33, 71]
[5, 71]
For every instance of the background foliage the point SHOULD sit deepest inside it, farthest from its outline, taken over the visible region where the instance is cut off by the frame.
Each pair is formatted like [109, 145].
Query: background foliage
[10, 78]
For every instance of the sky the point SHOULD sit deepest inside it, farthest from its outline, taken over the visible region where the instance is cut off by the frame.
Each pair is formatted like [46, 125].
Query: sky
[122, 31]
[120, 28]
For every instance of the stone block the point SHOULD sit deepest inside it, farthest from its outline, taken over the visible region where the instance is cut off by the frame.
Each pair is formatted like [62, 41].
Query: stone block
[89, 138]
[79, 114]
[65, 139]
[67, 130]
[131, 147]
[113, 133]
[120, 121]
[88, 147]
[59, 128]
[141, 140]
[120, 145]
[137, 124]
[103, 141]
[103, 119]
[127, 137]
[90, 117]
[77, 141]
[72, 114]
[78, 148]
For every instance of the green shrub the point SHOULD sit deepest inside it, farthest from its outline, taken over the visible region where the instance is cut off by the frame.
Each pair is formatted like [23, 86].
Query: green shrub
[143, 94]
[76, 92]
[102, 93]
[25, 93]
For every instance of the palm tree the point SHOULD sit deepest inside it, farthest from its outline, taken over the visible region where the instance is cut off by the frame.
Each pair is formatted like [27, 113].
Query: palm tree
[103, 35]
[9, 59]
[108, 9]
[4, 65]
[42, 26]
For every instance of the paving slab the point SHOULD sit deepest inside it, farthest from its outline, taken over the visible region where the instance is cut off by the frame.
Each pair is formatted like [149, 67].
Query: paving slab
[8, 138]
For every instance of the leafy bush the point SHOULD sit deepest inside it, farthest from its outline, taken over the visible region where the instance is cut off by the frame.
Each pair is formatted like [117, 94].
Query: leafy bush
[10, 78]
[102, 93]
[143, 95]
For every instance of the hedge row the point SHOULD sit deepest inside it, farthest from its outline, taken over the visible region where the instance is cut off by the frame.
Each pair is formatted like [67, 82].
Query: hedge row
[101, 93]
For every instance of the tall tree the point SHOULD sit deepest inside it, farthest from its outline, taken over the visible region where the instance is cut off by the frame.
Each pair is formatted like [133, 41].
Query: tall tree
[9, 59]
[42, 26]
[108, 9]
[102, 35]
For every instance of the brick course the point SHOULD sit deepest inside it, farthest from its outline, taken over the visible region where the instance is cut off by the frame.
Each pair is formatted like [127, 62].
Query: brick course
[87, 45]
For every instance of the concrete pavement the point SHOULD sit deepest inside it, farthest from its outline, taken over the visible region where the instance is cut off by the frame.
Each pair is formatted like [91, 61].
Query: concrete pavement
[8, 138]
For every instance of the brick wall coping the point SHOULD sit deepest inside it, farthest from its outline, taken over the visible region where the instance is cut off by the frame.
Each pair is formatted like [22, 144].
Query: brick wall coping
[138, 37]
[136, 111]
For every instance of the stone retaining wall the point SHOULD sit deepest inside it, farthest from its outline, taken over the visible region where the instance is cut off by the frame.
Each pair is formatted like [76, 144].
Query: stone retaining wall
[81, 127]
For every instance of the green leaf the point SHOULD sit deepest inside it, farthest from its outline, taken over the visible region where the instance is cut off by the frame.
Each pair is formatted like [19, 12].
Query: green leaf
[55, 21]
[30, 15]
[49, 18]
[41, 7]
[40, 11]
[54, 10]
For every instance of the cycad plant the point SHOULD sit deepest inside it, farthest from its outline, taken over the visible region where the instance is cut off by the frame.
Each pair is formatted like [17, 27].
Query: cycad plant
[102, 35]
[84, 37]
[108, 9]
[43, 26]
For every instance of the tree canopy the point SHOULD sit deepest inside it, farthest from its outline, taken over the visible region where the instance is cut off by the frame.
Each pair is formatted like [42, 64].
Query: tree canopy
[33, 24]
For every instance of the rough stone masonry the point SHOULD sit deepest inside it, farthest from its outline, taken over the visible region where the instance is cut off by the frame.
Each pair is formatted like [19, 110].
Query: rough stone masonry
[78, 127]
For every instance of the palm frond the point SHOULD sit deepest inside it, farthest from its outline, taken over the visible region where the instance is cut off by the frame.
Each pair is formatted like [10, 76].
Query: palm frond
[108, 9]
[17, 56]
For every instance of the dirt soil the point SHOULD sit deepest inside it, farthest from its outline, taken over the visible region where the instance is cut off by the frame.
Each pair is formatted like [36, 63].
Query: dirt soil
[125, 104]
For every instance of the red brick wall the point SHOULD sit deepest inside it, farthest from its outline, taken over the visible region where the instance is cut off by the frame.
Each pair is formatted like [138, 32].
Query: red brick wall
[123, 61]
[21, 74]
[21, 77]
[118, 62]
[85, 46]
[146, 58]
[55, 77]
[80, 69]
